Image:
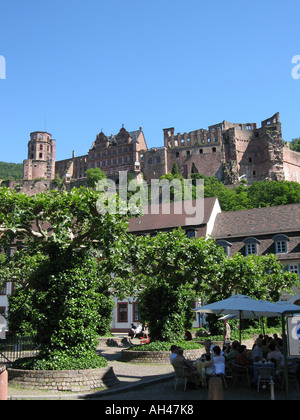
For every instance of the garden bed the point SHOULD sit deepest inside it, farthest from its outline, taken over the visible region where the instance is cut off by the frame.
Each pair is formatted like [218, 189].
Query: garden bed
[139, 355]
[63, 380]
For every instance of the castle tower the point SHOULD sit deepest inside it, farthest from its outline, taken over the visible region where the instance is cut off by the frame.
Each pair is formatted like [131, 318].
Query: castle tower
[41, 157]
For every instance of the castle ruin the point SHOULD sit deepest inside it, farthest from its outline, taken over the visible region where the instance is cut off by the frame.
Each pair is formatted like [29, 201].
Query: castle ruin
[229, 151]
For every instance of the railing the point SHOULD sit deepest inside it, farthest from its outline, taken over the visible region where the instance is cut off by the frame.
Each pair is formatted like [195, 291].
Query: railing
[15, 348]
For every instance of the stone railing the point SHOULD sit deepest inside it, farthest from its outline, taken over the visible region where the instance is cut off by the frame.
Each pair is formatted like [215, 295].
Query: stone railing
[63, 380]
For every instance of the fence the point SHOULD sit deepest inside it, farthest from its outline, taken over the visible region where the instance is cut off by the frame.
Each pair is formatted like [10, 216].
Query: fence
[12, 349]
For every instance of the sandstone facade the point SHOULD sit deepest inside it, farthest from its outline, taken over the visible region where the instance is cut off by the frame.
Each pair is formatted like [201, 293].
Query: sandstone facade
[229, 151]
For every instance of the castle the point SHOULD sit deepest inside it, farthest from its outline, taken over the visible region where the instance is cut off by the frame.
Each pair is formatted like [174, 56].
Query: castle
[226, 150]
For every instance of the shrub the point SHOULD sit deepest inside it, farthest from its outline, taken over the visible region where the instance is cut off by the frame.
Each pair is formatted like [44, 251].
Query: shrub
[61, 361]
[166, 345]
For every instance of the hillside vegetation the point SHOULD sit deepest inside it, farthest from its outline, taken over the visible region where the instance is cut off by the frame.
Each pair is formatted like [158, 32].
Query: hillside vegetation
[11, 171]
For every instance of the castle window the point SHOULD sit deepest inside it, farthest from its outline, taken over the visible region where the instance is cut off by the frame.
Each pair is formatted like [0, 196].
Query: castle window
[158, 159]
[188, 153]
[201, 151]
[240, 127]
[177, 154]
[41, 147]
[41, 155]
[150, 161]
[250, 159]
[248, 127]
[214, 150]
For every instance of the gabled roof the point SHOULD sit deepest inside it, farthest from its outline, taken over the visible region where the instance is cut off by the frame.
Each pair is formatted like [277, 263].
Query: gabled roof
[161, 221]
[267, 220]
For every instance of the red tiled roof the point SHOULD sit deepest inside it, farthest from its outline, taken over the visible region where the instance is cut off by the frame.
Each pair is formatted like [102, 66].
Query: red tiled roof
[161, 221]
[268, 220]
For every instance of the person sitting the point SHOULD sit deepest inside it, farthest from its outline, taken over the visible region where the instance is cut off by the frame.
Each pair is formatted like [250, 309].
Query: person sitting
[145, 331]
[173, 350]
[190, 371]
[265, 348]
[205, 357]
[242, 360]
[233, 353]
[216, 365]
[132, 330]
[257, 354]
[274, 355]
[138, 331]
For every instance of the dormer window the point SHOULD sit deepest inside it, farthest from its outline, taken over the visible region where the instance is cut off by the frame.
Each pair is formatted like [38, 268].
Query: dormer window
[251, 246]
[281, 244]
[225, 245]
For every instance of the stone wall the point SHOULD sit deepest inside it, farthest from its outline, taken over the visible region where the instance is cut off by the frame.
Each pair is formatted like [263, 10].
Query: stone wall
[156, 357]
[63, 380]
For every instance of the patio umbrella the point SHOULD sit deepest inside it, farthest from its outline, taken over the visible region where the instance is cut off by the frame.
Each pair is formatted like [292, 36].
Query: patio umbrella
[243, 306]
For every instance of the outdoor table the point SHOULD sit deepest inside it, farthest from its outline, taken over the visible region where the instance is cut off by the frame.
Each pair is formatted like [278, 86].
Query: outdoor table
[262, 364]
[199, 366]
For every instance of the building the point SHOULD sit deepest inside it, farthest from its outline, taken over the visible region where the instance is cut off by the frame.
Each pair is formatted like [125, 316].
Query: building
[229, 151]
[121, 152]
[268, 230]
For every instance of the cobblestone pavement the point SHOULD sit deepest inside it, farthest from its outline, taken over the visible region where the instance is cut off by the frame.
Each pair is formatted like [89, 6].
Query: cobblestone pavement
[142, 382]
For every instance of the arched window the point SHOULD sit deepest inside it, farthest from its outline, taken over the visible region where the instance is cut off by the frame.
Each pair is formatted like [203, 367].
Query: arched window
[281, 243]
[251, 246]
[225, 245]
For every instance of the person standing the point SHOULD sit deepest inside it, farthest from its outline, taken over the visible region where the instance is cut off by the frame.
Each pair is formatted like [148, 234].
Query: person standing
[226, 331]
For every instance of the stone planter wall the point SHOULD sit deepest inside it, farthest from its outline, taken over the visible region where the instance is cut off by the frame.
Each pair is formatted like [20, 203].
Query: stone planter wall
[63, 380]
[156, 357]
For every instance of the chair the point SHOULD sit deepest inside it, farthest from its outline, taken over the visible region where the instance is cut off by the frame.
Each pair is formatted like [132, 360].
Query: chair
[180, 376]
[239, 371]
[264, 375]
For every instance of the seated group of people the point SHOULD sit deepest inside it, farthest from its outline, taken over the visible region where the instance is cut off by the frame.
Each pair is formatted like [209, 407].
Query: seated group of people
[212, 365]
[214, 359]
[139, 331]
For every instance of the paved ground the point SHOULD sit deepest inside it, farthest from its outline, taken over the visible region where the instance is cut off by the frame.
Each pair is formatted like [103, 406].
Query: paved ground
[150, 382]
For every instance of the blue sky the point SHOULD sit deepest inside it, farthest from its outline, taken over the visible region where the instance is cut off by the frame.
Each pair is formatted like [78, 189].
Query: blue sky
[76, 67]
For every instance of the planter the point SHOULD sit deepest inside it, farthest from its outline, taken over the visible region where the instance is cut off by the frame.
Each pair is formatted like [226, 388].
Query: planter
[156, 357]
[63, 380]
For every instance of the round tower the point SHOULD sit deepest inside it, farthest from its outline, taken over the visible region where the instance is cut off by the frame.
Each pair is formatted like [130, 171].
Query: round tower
[41, 156]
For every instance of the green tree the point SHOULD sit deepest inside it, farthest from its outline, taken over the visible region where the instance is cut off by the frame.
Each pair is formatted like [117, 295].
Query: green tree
[173, 268]
[295, 144]
[93, 176]
[62, 235]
